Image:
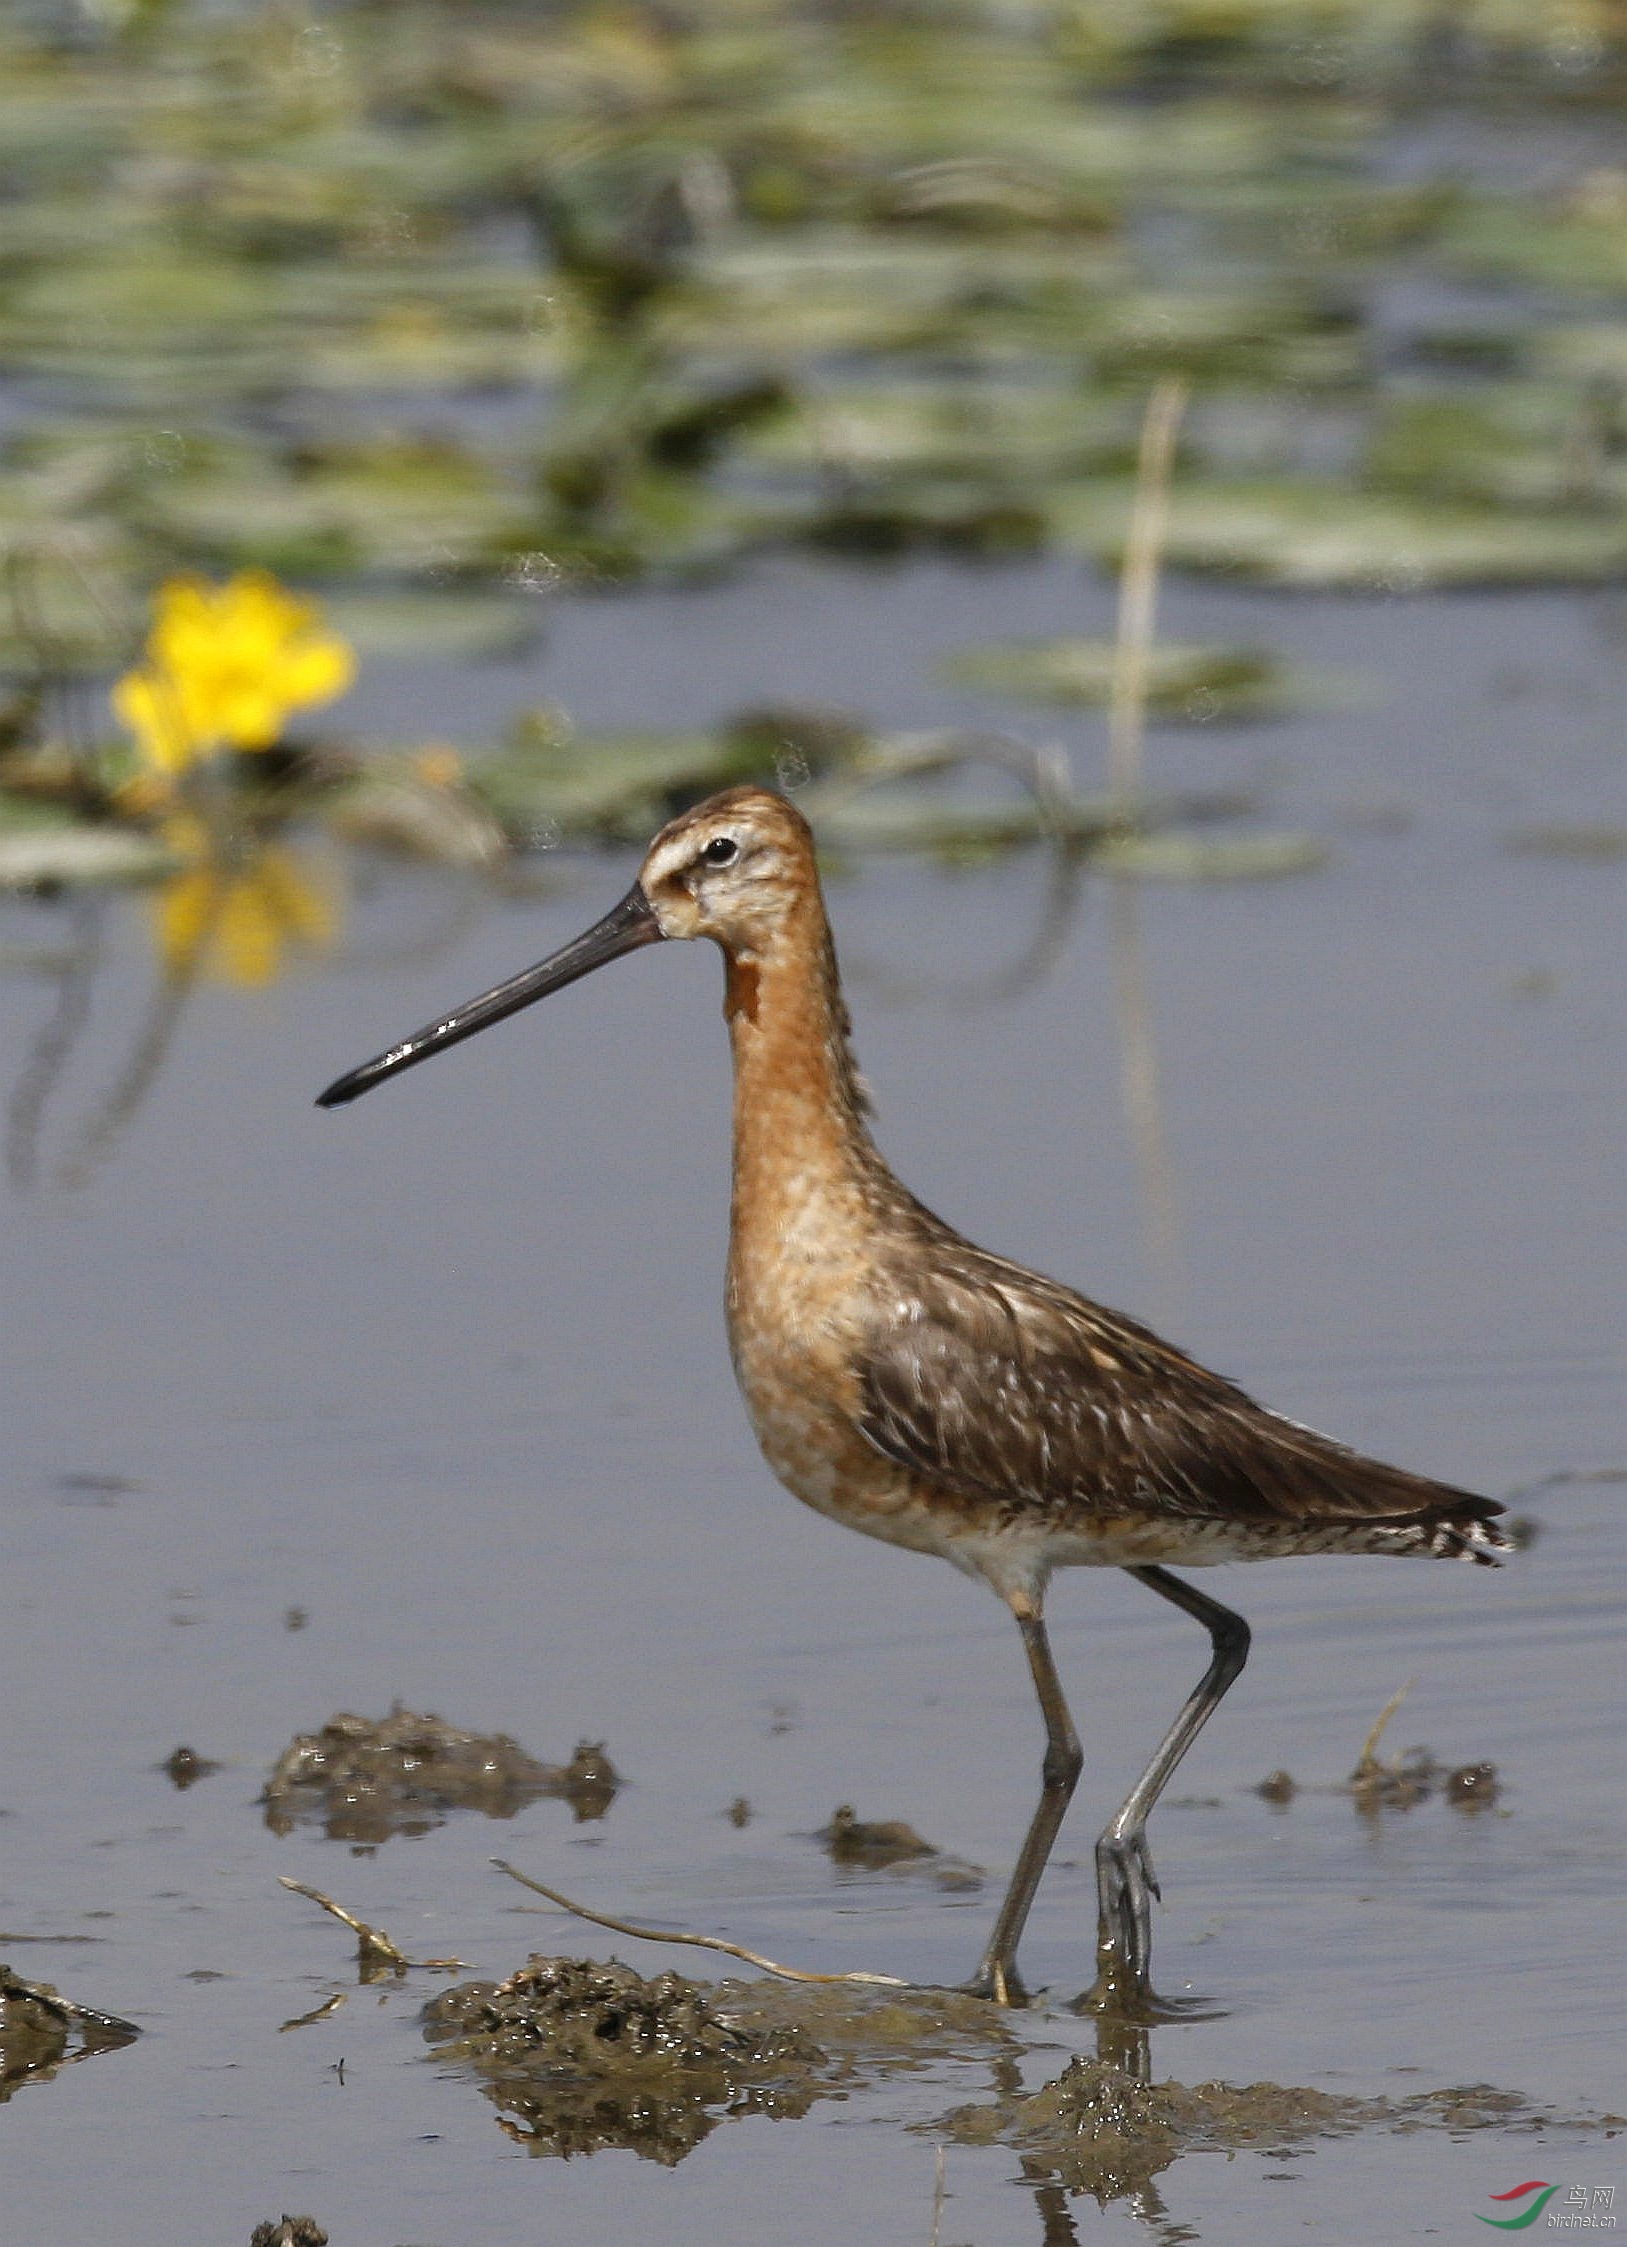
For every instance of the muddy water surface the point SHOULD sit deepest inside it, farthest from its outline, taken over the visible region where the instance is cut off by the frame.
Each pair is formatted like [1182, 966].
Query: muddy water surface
[429, 1401]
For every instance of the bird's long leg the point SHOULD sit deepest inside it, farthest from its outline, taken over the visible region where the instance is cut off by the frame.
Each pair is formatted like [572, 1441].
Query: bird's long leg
[996, 1975]
[1125, 1883]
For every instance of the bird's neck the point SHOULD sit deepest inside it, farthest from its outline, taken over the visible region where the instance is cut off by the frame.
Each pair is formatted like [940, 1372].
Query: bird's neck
[799, 1108]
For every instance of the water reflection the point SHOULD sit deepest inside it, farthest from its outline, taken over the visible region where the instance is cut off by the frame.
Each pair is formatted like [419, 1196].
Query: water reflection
[41, 2032]
[1142, 1099]
[236, 914]
[242, 907]
[74, 974]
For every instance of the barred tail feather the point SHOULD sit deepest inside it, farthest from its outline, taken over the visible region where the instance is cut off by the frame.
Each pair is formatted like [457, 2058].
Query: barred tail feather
[1469, 1537]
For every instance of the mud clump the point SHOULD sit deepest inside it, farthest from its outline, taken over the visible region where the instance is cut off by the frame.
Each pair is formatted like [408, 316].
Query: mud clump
[184, 1767]
[581, 2056]
[1375, 1787]
[853, 1840]
[1472, 1786]
[1102, 2130]
[881, 1844]
[365, 1779]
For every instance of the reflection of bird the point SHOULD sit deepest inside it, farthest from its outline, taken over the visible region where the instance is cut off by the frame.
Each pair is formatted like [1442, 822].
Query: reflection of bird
[926, 1392]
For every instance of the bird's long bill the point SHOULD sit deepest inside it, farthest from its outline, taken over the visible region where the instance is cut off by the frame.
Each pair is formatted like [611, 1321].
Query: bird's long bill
[630, 925]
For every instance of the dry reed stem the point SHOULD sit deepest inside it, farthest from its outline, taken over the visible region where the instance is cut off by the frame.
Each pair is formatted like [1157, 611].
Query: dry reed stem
[373, 1942]
[700, 1942]
[1138, 590]
[1367, 1762]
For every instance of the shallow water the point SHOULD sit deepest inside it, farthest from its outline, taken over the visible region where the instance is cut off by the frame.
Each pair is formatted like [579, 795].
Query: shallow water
[444, 1376]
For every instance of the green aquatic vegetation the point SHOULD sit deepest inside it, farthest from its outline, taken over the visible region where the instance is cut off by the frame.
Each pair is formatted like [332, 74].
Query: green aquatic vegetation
[889, 293]
[1516, 445]
[403, 506]
[751, 274]
[1593, 352]
[1011, 428]
[1310, 534]
[66, 601]
[1191, 683]
[144, 319]
[38, 853]
[1229, 334]
[1176, 857]
[1596, 843]
[1575, 241]
[548, 779]
[444, 624]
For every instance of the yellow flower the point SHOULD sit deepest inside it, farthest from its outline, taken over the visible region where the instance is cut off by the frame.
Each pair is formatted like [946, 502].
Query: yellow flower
[232, 919]
[225, 664]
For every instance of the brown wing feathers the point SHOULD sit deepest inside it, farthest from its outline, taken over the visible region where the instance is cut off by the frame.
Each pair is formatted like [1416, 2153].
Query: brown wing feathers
[991, 1382]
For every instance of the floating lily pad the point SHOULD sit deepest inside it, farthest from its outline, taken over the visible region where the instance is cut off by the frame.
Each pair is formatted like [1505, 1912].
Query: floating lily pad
[48, 855]
[1191, 683]
[414, 507]
[877, 283]
[1588, 352]
[549, 780]
[1575, 241]
[447, 625]
[1007, 427]
[1207, 858]
[1312, 534]
[1519, 445]
[1596, 843]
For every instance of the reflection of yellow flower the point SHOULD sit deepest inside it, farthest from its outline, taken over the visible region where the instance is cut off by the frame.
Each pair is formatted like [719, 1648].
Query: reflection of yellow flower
[232, 918]
[225, 664]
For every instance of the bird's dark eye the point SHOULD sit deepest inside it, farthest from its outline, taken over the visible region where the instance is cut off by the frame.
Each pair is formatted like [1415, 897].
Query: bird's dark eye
[722, 850]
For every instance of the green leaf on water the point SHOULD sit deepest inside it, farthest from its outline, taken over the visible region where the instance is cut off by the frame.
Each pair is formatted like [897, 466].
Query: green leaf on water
[48, 854]
[1310, 534]
[1174, 857]
[1593, 842]
[1190, 683]
[551, 780]
[1548, 445]
[449, 624]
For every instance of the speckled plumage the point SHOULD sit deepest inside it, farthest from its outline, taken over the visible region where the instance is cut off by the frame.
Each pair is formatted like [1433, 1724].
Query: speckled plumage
[915, 1387]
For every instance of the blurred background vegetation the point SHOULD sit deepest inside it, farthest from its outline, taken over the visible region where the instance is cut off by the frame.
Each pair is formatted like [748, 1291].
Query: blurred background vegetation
[437, 313]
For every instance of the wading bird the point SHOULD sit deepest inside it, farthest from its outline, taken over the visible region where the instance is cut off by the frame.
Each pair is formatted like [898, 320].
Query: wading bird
[916, 1387]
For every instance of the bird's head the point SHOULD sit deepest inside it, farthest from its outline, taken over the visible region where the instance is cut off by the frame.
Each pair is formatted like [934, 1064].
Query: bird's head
[733, 869]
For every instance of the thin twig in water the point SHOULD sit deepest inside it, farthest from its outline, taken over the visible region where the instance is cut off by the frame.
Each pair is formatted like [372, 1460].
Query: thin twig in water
[376, 1946]
[1138, 590]
[1367, 1761]
[700, 1942]
[317, 2012]
[938, 2195]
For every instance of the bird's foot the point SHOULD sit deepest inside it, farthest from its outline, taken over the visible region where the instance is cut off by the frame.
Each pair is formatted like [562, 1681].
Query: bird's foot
[999, 1983]
[1125, 1887]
